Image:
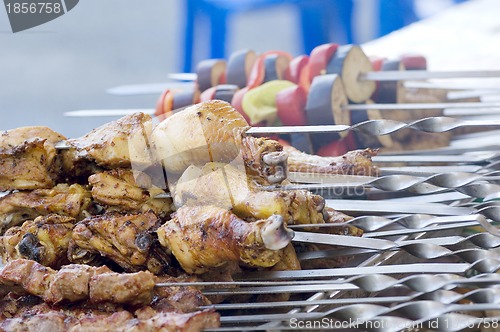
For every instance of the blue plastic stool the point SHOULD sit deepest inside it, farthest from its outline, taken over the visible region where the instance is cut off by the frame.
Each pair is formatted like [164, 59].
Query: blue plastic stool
[316, 17]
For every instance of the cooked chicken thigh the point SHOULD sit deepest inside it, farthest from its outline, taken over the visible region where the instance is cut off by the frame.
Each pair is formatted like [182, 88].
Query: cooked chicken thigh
[44, 240]
[204, 237]
[72, 201]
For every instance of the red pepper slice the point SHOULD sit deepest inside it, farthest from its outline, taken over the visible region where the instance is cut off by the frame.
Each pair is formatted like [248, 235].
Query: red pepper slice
[291, 104]
[164, 105]
[258, 71]
[319, 59]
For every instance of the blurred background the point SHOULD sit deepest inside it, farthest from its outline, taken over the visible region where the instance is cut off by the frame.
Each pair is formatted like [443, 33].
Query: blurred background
[67, 64]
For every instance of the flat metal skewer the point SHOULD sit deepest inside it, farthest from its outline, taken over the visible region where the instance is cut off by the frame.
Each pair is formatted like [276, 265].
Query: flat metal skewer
[389, 75]
[466, 108]
[415, 75]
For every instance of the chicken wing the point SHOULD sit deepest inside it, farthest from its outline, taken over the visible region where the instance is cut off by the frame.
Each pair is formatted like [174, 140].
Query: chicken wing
[125, 190]
[44, 240]
[204, 237]
[128, 240]
[73, 201]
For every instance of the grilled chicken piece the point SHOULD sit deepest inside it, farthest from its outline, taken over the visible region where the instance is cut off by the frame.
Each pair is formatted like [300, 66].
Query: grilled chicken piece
[213, 132]
[14, 137]
[357, 162]
[204, 237]
[78, 282]
[128, 240]
[121, 143]
[72, 201]
[28, 148]
[44, 240]
[125, 190]
[228, 187]
[29, 165]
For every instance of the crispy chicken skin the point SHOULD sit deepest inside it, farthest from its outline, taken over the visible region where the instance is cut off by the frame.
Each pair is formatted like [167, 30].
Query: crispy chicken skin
[128, 240]
[29, 165]
[120, 143]
[231, 188]
[356, 162]
[125, 190]
[14, 137]
[28, 158]
[212, 131]
[44, 240]
[204, 237]
[67, 200]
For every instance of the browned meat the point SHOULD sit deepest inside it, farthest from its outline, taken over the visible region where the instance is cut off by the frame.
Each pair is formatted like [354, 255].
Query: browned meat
[145, 320]
[357, 162]
[126, 190]
[14, 137]
[28, 159]
[228, 187]
[264, 159]
[131, 288]
[30, 165]
[72, 283]
[204, 237]
[212, 132]
[121, 143]
[128, 240]
[151, 321]
[178, 298]
[77, 282]
[73, 201]
[44, 240]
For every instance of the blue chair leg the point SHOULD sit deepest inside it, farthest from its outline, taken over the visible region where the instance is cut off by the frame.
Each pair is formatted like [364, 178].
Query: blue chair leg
[344, 10]
[315, 26]
[190, 10]
[218, 32]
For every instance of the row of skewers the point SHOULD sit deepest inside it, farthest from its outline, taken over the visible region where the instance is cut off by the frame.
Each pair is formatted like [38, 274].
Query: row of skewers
[188, 195]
